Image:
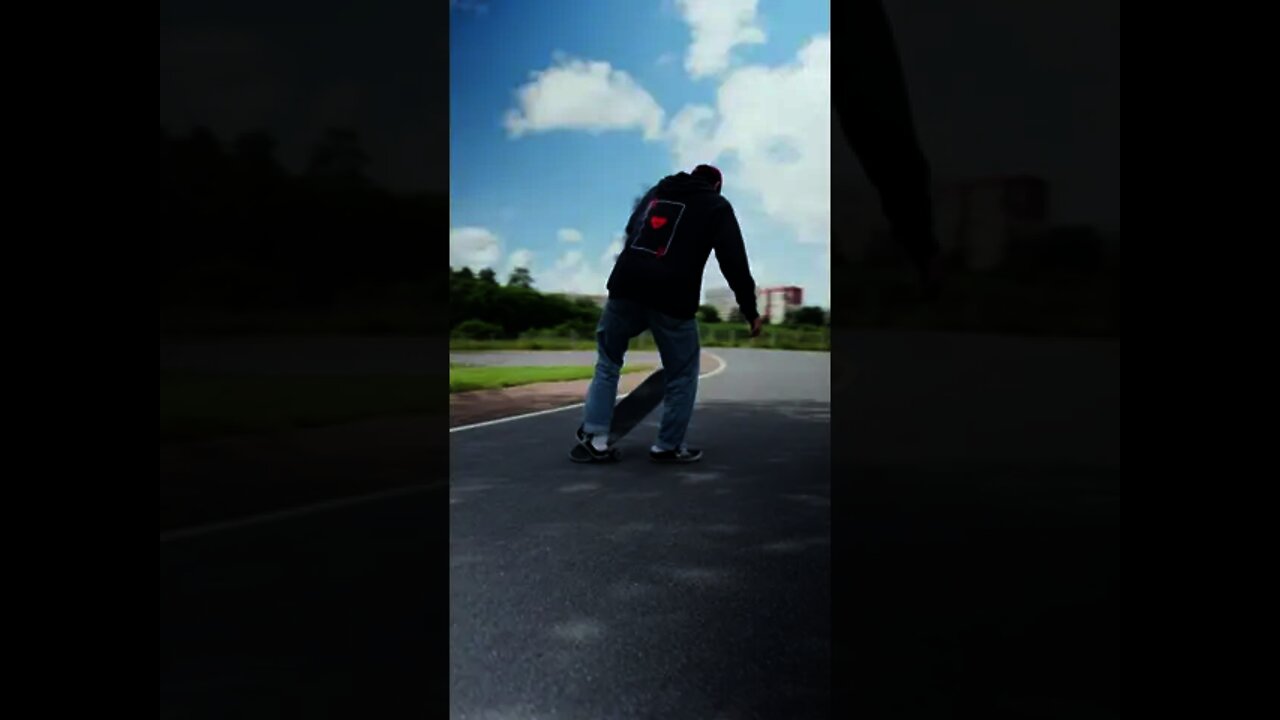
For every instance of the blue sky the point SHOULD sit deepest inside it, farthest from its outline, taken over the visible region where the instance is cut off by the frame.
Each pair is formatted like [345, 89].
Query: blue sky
[563, 111]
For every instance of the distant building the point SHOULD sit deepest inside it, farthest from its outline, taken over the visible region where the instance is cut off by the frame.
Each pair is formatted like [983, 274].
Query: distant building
[976, 220]
[721, 298]
[773, 302]
[979, 219]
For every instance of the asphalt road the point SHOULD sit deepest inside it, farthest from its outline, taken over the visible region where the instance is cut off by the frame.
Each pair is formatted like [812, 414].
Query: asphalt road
[576, 591]
[979, 495]
[332, 614]
[979, 552]
[643, 591]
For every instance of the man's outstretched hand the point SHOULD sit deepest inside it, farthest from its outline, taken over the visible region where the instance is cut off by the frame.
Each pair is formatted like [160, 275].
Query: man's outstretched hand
[756, 325]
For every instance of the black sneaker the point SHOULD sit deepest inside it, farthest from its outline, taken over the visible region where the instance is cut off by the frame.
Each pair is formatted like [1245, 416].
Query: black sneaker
[585, 439]
[683, 455]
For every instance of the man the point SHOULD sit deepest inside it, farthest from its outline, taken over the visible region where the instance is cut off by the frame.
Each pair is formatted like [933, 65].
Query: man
[656, 285]
[875, 113]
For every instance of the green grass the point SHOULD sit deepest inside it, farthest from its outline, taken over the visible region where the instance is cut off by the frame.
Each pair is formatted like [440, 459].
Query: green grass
[772, 337]
[713, 335]
[548, 343]
[196, 406]
[464, 378]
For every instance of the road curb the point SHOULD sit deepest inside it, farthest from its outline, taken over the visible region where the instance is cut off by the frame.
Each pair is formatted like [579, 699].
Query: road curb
[537, 413]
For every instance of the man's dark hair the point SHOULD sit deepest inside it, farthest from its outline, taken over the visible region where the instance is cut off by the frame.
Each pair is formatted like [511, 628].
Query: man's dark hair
[708, 173]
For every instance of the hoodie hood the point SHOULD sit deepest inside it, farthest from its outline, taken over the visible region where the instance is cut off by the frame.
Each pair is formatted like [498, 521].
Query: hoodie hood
[683, 184]
[672, 232]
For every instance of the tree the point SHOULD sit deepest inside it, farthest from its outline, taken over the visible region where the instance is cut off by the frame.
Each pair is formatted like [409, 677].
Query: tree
[520, 278]
[338, 156]
[807, 315]
[488, 276]
[237, 270]
[708, 314]
[735, 316]
[477, 330]
[257, 150]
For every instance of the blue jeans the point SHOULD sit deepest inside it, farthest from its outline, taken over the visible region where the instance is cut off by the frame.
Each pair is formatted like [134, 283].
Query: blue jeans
[680, 349]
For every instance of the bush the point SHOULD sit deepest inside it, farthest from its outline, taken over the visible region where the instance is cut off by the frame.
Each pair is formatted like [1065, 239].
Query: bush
[807, 315]
[581, 328]
[514, 308]
[476, 330]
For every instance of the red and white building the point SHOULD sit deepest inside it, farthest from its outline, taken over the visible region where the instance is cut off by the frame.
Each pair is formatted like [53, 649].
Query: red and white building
[773, 302]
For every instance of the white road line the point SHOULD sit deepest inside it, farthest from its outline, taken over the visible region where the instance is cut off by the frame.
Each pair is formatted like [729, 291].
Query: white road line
[536, 413]
[201, 530]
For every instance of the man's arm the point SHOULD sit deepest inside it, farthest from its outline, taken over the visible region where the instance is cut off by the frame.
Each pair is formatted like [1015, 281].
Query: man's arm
[876, 114]
[731, 254]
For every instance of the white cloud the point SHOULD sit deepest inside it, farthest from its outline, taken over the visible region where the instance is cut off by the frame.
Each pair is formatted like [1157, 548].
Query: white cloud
[575, 271]
[571, 259]
[474, 247]
[574, 274]
[611, 252]
[583, 95]
[569, 235]
[718, 26]
[666, 59]
[769, 128]
[692, 136]
[775, 124]
[522, 258]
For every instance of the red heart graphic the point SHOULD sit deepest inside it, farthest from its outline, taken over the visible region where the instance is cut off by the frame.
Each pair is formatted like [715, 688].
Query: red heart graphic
[657, 221]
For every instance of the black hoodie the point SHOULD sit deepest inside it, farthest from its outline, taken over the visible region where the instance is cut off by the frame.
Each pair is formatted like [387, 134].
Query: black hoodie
[671, 233]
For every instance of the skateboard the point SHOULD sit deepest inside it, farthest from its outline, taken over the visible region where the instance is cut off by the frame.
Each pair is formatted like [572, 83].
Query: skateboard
[626, 415]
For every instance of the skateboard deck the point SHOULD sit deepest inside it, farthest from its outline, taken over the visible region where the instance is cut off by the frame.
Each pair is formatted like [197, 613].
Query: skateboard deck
[627, 414]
